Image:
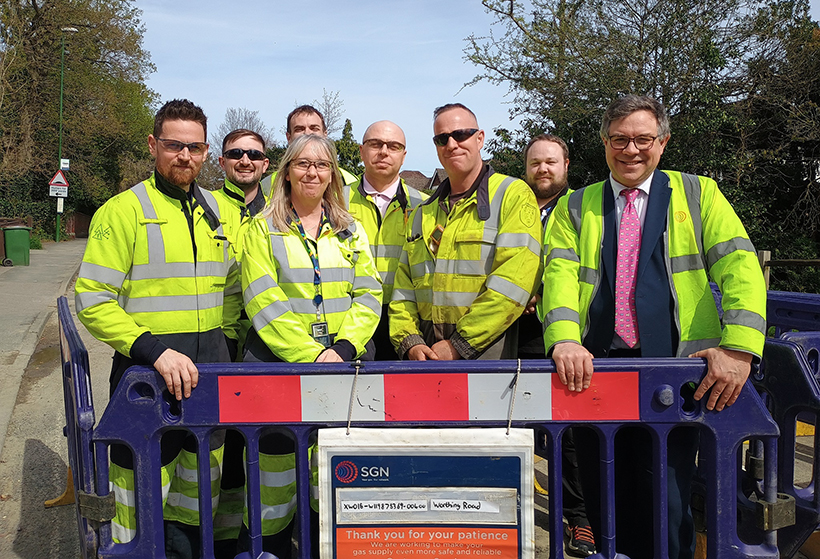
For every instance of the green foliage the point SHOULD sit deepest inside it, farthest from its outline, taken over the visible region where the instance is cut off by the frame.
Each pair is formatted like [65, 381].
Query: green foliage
[740, 79]
[347, 148]
[107, 110]
[35, 240]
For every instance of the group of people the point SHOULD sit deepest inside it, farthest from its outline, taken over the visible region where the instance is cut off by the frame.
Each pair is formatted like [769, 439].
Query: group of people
[312, 264]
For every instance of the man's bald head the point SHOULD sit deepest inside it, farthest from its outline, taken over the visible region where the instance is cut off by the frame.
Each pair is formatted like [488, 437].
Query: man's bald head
[382, 152]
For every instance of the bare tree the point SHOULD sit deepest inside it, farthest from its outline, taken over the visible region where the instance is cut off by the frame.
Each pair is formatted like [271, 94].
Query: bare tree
[239, 118]
[332, 108]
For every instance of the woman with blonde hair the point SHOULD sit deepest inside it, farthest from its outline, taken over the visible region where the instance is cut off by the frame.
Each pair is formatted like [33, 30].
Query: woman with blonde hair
[312, 293]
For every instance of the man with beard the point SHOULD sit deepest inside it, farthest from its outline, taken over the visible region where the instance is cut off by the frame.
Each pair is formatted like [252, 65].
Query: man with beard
[546, 160]
[244, 162]
[158, 283]
[382, 202]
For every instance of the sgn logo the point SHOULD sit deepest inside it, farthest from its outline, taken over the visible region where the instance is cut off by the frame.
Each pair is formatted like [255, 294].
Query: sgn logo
[346, 471]
[375, 472]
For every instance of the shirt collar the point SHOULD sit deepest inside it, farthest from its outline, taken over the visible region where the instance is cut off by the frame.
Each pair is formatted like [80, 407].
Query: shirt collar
[617, 187]
[389, 193]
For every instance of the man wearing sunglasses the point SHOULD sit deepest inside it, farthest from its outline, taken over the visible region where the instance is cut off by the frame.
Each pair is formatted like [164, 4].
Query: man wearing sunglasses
[470, 260]
[629, 264]
[382, 202]
[244, 162]
[158, 283]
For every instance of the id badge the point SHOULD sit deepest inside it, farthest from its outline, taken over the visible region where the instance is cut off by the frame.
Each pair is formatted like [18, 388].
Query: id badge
[319, 331]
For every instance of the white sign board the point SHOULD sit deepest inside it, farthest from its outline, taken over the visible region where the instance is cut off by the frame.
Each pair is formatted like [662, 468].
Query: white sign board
[64, 164]
[60, 205]
[58, 191]
[426, 493]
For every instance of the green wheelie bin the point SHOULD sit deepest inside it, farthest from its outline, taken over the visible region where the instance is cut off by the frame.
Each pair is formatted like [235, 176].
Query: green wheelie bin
[18, 244]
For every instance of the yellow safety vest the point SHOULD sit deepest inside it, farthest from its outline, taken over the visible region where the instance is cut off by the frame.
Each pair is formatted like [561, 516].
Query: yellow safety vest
[278, 287]
[703, 235]
[139, 274]
[480, 278]
[386, 233]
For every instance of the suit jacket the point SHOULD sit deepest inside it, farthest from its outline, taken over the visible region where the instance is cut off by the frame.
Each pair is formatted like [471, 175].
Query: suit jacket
[654, 302]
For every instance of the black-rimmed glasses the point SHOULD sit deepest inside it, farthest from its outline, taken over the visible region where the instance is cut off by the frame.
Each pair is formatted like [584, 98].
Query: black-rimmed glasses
[642, 143]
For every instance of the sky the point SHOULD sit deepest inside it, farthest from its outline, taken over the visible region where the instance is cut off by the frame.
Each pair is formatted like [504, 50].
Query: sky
[387, 59]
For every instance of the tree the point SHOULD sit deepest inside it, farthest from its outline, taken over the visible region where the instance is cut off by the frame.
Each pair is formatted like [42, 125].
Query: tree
[332, 108]
[240, 118]
[735, 77]
[347, 148]
[107, 109]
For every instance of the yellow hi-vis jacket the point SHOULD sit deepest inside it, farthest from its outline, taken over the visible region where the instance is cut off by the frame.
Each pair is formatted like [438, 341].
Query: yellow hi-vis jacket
[703, 236]
[278, 287]
[139, 273]
[482, 275]
[386, 233]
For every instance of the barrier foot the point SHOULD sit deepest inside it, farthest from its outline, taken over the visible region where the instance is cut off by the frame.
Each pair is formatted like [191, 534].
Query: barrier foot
[538, 489]
[700, 545]
[811, 549]
[67, 498]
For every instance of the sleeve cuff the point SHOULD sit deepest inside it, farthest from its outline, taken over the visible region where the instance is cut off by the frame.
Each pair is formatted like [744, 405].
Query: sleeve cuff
[146, 349]
[463, 347]
[345, 350]
[410, 341]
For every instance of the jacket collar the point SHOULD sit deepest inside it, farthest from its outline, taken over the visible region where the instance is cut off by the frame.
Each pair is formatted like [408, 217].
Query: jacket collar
[480, 188]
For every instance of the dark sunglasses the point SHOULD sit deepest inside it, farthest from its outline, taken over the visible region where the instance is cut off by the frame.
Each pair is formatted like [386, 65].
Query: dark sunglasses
[236, 153]
[458, 135]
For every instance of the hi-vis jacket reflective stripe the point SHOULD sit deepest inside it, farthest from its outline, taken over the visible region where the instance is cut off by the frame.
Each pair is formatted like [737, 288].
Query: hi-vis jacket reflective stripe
[703, 235]
[139, 274]
[386, 233]
[482, 276]
[277, 281]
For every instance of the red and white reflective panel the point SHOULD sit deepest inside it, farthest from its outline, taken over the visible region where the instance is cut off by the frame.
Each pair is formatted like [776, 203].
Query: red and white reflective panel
[613, 396]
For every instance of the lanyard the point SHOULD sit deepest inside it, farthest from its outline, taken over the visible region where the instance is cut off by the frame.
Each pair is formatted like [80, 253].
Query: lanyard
[314, 258]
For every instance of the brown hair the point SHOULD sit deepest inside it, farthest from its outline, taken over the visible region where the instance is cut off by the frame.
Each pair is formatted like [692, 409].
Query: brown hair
[547, 138]
[179, 109]
[241, 133]
[306, 110]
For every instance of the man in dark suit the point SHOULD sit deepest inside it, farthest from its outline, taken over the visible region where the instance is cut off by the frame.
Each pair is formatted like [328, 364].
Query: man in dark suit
[630, 259]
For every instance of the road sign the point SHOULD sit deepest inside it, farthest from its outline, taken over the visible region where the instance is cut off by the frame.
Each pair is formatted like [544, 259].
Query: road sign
[64, 164]
[58, 185]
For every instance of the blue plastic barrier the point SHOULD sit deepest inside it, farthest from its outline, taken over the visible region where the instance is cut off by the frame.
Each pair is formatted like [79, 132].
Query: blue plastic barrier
[79, 413]
[791, 393]
[140, 411]
[792, 311]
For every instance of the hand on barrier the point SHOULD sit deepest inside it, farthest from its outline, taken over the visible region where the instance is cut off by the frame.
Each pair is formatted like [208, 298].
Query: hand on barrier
[446, 351]
[421, 352]
[329, 356]
[179, 372]
[573, 363]
[727, 373]
[530, 308]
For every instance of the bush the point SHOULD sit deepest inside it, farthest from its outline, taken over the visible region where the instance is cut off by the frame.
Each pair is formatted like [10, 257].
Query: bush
[35, 240]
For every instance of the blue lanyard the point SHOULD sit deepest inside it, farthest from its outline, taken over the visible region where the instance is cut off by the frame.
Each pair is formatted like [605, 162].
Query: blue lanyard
[314, 258]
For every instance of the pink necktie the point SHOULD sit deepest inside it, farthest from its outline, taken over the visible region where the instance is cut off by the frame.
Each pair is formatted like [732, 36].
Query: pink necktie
[629, 249]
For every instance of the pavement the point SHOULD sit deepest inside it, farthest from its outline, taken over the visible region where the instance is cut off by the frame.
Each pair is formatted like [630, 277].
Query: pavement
[28, 298]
